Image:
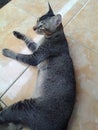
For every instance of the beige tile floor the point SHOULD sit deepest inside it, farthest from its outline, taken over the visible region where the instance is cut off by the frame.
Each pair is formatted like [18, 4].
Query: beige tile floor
[80, 20]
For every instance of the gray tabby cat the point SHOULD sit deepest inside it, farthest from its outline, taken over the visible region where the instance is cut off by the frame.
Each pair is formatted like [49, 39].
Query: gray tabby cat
[53, 106]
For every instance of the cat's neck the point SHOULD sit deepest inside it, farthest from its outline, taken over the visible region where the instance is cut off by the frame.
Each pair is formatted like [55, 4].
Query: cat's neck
[58, 33]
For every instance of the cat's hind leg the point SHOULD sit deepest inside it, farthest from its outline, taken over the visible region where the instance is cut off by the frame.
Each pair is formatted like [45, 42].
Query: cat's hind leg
[17, 113]
[29, 42]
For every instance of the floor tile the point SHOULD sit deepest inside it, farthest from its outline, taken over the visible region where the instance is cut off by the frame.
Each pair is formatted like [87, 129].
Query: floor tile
[8, 20]
[22, 88]
[85, 113]
[9, 75]
[4, 86]
[38, 8]
[70, 9]
[10, 70]
[87, 64]
[84, 27]
[83, 50]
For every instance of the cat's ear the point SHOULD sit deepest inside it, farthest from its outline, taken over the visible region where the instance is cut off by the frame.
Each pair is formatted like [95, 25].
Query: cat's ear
[58, 20]
[50, 12]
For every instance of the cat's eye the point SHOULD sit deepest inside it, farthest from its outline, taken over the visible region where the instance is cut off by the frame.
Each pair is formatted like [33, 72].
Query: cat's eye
[40, 26]
[41, 22]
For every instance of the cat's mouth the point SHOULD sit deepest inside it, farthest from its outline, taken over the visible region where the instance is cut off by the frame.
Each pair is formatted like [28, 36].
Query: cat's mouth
[42, 31]
[37, 30]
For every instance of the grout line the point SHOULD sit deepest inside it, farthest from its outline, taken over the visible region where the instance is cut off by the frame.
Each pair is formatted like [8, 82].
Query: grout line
[14, 81]
[94, 51]
[3, 103]
[77, 13]
[67, 7]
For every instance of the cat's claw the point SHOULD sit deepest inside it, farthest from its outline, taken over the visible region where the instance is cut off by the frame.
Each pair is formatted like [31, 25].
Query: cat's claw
[18, 35]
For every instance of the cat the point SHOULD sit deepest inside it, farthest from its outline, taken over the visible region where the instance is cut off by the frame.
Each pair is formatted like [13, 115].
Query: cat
[51, 109]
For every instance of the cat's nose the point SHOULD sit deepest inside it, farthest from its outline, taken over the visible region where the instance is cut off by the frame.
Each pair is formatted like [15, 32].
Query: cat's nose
[34, 28]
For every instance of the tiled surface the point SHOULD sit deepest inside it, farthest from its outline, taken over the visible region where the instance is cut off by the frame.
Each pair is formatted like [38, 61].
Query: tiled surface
[80, 20]
[85, 115]
[22, 88]
[37, 8]
[21, 21]
[86, 24]
[81, 33]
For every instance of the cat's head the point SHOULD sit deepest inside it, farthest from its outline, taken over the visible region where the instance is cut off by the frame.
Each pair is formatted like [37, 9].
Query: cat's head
[48, 23]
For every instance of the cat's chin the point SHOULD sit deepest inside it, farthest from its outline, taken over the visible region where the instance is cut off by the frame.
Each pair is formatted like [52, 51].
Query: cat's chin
[39, 32]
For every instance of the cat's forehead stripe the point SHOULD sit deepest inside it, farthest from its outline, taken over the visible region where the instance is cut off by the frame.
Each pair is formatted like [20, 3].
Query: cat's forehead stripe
[45, 17]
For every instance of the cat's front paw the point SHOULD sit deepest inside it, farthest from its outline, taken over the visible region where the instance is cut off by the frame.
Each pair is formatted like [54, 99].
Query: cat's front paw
[18, 35]
[8, 53]
[5, 52]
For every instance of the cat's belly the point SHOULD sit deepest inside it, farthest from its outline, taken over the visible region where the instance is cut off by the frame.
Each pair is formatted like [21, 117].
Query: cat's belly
[39, 84]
